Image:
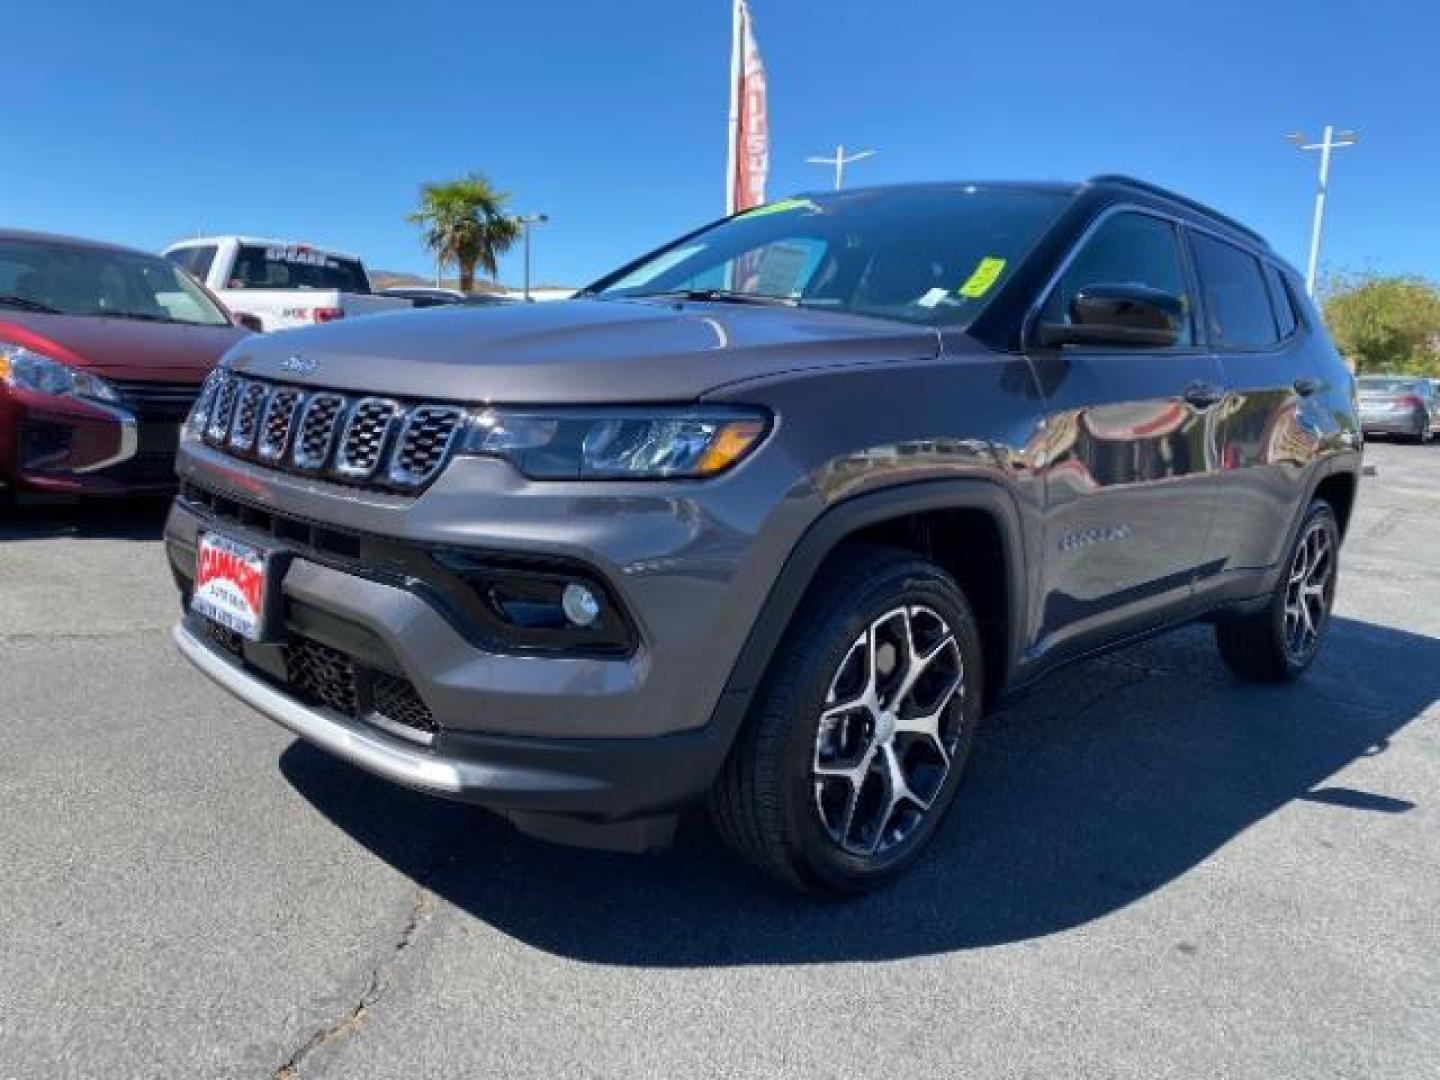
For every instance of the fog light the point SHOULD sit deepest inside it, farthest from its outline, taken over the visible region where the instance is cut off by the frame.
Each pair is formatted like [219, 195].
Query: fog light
[582, 607]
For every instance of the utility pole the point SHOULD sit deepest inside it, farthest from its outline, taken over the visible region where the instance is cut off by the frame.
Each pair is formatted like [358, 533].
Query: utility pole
[840, 160]
[525, 221]
[1328, 142]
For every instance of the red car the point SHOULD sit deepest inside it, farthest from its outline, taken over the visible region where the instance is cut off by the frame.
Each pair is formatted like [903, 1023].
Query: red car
[102, 352]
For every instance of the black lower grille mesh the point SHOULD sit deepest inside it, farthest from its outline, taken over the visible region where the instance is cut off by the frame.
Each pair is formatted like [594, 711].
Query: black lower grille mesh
[397, 701]
[224, 637]
[320, 675]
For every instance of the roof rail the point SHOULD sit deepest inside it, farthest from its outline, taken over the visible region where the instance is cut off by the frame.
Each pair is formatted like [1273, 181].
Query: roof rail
[1183, 200]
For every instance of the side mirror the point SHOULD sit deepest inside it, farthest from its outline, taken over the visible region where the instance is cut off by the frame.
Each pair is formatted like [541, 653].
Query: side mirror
[1125, 315]
[248, 321]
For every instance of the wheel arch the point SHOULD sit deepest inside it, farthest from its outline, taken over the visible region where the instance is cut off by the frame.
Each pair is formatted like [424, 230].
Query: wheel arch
[927, 517]
[1339, 489]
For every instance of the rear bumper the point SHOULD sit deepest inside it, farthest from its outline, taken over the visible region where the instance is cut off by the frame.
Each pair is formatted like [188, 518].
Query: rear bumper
[602, 780]
[1392, 423]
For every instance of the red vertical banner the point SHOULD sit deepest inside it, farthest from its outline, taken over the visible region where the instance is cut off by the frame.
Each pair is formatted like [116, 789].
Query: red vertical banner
[749, 163]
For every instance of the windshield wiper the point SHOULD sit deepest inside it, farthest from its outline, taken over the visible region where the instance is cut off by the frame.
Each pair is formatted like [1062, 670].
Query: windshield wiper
[26, 304]
[722, 296]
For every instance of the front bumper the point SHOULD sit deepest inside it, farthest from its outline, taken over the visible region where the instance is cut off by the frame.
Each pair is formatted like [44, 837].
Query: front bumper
[603, 780]
[64, 447]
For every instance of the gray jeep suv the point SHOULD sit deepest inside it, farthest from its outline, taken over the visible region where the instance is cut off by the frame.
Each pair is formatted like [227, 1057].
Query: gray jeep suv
[773, 515]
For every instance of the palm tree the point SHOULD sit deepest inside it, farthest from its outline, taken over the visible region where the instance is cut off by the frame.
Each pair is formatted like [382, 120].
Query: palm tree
[464, 222]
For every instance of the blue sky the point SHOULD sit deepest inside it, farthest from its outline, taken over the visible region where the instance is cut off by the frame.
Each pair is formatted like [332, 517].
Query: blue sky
[145, 122]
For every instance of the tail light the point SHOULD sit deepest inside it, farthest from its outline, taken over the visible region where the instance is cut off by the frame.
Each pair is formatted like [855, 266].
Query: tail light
[327, 314]
[1410, 401]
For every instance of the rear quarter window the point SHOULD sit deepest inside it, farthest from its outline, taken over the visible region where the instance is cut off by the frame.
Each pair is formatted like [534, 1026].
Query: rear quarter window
[1237, 301]
[1282, 301]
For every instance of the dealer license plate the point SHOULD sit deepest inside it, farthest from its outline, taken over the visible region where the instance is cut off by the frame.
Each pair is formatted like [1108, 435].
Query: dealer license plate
[230, 584]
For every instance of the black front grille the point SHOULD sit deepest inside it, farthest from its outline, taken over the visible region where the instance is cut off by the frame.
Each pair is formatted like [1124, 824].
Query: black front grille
[279, 422]
[224, 637]
[366, 433]
[245, 427]
[158, 401]
[318, 424]
[396, 700]
[320, 675]
[424, 444]
[360, 440]
[154, 460]
[222, 409]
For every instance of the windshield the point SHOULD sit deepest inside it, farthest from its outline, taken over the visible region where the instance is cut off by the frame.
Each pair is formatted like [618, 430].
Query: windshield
[927, 255]
[296, 267]
[102, 282]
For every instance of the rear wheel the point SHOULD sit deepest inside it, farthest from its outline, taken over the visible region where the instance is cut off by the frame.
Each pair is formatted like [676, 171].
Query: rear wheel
[855, 744]
[1279, 643]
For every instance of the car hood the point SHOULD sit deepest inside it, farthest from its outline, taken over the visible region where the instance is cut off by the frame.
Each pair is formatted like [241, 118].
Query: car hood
[574, 351]
[122, 348]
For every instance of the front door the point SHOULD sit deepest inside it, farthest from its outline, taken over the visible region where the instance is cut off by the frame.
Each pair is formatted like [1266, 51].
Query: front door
[1130, 459]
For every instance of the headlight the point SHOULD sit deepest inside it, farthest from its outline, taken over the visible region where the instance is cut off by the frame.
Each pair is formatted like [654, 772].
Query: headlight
[616, 444]
[28, 370]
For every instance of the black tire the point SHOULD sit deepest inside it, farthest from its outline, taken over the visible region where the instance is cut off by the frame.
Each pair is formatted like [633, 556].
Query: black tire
[768, 804]
[1262, 647]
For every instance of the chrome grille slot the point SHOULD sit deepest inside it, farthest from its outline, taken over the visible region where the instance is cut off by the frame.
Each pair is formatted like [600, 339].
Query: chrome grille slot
[375, 442]
[424, 444]
[224, 408]
[249, 402]
[279, 422]
[319, 421]
[364, 438]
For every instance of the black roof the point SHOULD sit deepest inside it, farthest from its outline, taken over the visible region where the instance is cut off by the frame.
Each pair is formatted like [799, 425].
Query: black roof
[1193, 205]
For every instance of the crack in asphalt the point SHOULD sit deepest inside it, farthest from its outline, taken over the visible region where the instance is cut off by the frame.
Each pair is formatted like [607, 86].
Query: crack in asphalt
[24, 637]
[422, 906]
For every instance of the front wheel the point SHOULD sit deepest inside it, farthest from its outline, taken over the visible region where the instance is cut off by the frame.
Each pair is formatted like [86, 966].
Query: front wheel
[1280, 643]
[856, 742]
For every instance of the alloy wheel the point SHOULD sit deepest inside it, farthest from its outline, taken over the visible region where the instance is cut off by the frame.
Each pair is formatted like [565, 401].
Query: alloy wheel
[889, 730]
[1310, 591]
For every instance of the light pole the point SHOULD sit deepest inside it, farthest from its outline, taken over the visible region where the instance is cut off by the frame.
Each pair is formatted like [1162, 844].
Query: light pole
[840, 160]
[1328, 142]
[525, 221]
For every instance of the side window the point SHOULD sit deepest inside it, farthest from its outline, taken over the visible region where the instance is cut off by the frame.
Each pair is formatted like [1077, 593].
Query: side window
[1237, 303]
[1280, 299]
[1128, 249]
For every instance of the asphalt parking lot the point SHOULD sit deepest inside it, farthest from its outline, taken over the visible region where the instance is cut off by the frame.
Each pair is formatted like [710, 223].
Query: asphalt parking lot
[1154, 871]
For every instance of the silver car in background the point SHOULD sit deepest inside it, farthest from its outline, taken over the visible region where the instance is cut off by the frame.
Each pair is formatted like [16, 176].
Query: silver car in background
[1400, 405]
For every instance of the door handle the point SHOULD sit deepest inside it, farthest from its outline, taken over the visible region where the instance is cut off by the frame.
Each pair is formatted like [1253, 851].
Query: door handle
[1305, 386]
[1202, 395]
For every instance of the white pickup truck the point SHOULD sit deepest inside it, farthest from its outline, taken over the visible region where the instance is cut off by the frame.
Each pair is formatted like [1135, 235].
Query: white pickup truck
[282, 283]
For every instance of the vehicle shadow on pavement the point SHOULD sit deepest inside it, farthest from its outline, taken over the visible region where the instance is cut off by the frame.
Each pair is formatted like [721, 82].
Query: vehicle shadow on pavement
[99, 519]
[1105, 784]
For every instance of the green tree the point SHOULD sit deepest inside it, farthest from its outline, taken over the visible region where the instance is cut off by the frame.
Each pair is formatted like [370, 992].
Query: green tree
[464, 222]
[1386, 323]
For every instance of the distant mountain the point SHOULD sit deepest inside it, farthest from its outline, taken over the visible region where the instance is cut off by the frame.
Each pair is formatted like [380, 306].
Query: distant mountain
[388, 279]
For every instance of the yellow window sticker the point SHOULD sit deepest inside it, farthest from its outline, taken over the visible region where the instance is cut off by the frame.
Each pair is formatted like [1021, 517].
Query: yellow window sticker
[987, 272]
[784, 206]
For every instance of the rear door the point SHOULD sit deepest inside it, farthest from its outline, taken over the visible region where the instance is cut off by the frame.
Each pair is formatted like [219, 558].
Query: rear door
[1269, 427]
[1129, 458]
